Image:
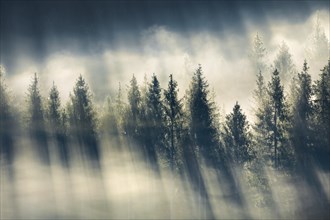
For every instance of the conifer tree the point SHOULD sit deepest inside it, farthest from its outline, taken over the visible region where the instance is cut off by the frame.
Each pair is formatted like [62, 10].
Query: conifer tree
[302, 111]
[173, 123]
[320, 46]
[7, 122]
[119, 109]
[263, 119]
[284, 63]
[57, 123]
[202, 129]
[322, 115]
[237, 137]
[83, 119]
[36, 120]
[133, 110]
[279, 118]
[53, 110]
[258, 54]
[153, 126]
[143, 120]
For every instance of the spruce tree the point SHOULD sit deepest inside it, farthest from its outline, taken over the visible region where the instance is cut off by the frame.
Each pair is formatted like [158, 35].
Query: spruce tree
[302, 111]
[57, 123]
[153, 125]
[36, 121]
[202, 129]
[322, 116]
[173, 123]
[133, 110]
[7, 122]
[284, 63]
[320, 44]
[279, 119]
[258, 54]
[237, 137]
[263, 120]
[53, 109]
[83, 119]
[119, 107]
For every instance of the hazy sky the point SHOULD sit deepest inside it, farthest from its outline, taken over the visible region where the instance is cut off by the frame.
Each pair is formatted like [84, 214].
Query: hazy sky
[40, 28]
[108, 41]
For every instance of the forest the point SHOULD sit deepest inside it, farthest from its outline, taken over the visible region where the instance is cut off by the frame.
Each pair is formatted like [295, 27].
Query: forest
[153, 152]
[183, 135]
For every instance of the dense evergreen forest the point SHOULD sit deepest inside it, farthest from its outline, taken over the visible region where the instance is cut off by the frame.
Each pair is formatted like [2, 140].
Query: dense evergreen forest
[184, 135]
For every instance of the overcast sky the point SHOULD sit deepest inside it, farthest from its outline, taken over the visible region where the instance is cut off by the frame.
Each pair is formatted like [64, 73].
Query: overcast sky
[108, 41]
[39, 28]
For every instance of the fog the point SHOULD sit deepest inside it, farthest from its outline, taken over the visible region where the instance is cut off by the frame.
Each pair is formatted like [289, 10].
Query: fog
[125, 185]
[127, 188]
[160, 50]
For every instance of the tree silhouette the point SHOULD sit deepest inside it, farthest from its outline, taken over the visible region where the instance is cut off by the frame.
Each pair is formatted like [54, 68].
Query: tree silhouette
[7, 122]
[302, 112]
[320, 46]
[119, 109]
[258, 54]
[57, 121]
[202, 129]
[284, 63]
[154, 114]
[36, 120]
[174, 123]
[279, 118]
[83, 120]
[322, 116]
[263, 120]
[133, 110]
[237, 136]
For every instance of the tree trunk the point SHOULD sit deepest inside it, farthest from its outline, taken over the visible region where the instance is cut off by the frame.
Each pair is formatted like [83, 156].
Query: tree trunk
[275, 138]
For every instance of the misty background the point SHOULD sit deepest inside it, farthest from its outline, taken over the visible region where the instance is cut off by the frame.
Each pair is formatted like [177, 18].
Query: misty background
[98, 48]
[108, 41]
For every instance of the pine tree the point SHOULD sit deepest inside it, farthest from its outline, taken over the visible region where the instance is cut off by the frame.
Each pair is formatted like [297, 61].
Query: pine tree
[57, 123]
[173, 123]
[279, 118]
[237, 137]
[83, 119]
[7, 122]
[53, 109]
[322, 115]
[320, 43]
[36, 120]
[258, 54]
[119, 109]
[259, 93]
[262, 125]
[153, 125]
[284, 63]
[262, 141]
[302, 113]
[133, 111]
[202, 129]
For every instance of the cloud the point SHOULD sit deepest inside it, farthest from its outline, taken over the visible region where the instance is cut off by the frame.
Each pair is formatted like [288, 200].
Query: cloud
[163, 51]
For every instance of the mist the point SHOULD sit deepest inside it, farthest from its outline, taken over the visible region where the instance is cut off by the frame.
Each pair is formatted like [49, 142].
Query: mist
[126, 188]
[163, 51]
[101, 161]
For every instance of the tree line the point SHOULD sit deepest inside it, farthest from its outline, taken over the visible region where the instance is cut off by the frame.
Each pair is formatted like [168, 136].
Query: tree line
[290, 131]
